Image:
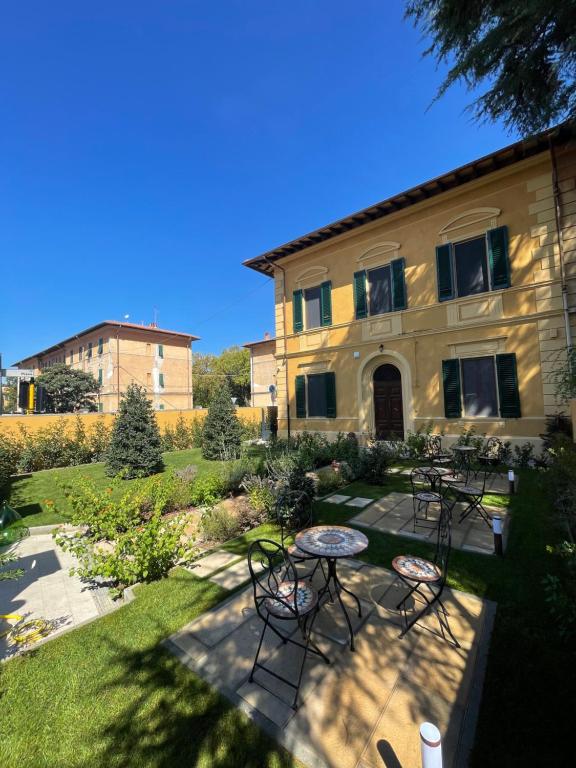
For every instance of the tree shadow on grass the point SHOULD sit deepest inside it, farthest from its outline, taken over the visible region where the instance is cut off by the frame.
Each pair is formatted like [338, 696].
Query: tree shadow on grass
[174, 719]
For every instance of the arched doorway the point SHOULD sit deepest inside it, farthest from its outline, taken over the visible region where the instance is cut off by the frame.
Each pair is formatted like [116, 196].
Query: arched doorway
[388, 408]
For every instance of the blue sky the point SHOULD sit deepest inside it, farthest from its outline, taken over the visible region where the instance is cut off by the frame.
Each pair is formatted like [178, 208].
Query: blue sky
[148, 148]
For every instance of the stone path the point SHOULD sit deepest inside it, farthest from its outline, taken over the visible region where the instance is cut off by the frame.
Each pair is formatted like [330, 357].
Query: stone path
[46, 590]
[364, 710]
[226, 569]
[394, 514]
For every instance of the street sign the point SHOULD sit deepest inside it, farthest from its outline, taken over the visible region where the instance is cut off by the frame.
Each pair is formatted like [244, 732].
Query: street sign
[17, 372]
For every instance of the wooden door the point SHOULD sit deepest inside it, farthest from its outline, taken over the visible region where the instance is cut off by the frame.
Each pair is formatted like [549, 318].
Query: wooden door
[388, 410]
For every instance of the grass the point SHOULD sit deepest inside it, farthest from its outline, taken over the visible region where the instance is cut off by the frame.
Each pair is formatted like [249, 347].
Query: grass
[40, 500]
[108, 694]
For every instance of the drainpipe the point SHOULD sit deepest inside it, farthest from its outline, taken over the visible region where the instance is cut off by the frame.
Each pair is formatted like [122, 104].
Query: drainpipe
[558, 218]
[277, 266]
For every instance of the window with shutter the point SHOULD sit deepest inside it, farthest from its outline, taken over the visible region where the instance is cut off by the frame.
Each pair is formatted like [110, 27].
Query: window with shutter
[161, 380]
[508, 386]
[326, 303]
[297, 312]
[100, 346]
[160, 350]
[444, 272]
[300, 390]
[498, 258]
[330, 386]
[360, 298]
[89, 354]
[451, 386]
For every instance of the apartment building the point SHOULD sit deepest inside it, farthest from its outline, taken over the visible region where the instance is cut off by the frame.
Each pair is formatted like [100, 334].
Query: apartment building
[118, 354]
[451, 303]
[262, 372]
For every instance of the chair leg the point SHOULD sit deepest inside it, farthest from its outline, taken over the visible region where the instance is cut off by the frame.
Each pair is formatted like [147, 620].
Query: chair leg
[251, 678]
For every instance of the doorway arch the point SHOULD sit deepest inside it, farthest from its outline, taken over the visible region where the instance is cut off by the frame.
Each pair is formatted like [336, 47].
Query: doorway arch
[388, 406]
[365, 384]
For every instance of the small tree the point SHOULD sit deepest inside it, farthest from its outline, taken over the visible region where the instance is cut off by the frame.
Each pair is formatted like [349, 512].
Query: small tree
[135, 448]
[222, 432]
[68, 390]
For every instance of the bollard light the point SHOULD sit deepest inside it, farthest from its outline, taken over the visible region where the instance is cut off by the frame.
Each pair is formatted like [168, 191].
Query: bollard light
[497, 531]
[430, 746]
[511, 488]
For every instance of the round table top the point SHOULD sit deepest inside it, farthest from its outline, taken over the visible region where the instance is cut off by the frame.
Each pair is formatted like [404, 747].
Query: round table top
[434, 470]
[331, 541]
[464, 448]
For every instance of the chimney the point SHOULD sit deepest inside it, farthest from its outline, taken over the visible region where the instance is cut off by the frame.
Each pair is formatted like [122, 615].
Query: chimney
[266, 336]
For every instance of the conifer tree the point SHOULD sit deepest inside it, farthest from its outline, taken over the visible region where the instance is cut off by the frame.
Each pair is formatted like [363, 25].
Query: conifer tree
[135, 448]
[222, 432]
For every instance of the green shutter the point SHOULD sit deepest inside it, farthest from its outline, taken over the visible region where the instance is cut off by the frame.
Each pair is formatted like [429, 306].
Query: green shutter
[326, 303]
[161, 379]
[99, 375]
[330, 384]
[451, 385]
[508, 386]
[300, 387]
[297, 312]
[160, 350]
[398, 284]
[89, 349]
[444, 272]
[498, 258]
[100, 346]
[360, 299]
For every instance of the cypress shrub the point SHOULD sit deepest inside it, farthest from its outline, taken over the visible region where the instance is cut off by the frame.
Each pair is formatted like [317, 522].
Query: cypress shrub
[222, 432]
[135, 449]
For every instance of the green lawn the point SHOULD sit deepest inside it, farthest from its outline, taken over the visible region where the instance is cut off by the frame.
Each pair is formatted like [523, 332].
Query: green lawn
[40, 500]
[108, 694]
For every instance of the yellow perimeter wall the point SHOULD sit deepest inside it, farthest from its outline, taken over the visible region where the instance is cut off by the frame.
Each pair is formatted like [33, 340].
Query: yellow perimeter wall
[164, 419]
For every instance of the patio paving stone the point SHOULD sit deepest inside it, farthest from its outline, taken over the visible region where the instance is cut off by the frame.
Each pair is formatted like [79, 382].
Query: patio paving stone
[205, 566]
[337, 498]
[370, 515]
[359, 501]
[233, 576]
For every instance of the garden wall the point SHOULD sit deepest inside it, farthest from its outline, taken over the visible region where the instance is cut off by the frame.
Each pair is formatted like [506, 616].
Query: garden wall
[11, 423]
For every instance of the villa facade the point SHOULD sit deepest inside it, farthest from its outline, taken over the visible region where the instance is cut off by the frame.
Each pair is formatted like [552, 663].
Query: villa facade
[451, 303]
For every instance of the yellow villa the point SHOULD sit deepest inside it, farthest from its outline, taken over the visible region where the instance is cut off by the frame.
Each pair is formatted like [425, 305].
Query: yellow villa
[450, 303]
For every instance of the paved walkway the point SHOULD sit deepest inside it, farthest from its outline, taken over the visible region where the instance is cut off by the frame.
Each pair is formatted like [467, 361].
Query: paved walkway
[364, 710]
[394, 514]
[46, 590]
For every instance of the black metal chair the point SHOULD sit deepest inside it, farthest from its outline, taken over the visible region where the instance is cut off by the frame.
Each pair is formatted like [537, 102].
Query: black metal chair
[279, 595]
[473, 495]
[425, 491]
[426, 579]
[433, 451]
[493, 455]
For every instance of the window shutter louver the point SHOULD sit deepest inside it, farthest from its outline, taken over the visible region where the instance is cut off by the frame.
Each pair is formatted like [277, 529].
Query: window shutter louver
[330, 383]
[297, 312]
[326, 303]
[452, 390]
[508, 392]
[398, 284]
[444, 272]
[360, 299]
[300, 389]
[498, 258]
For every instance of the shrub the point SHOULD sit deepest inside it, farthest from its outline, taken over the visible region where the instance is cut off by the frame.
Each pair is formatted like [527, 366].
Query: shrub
[135, 448]
[126, 540]
[524, 455]
[219, 524]
[313, 450]
[260, 492]
[99, 440]
[415, 442]
[7, 466]
[250, 429]
[207, 490]
[221, 433]
[374, 463]
[187, 474]
[468, 436]
[328, 482]
[234, 474]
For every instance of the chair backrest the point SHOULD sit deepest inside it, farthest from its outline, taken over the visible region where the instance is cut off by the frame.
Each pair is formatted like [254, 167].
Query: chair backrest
[293, 512]
[494, 449]
[433, 445]
[270, 565]
[444, 539]
[424, 480]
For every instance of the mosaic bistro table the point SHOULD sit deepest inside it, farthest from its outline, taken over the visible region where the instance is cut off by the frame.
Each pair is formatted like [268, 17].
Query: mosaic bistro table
[332, 542]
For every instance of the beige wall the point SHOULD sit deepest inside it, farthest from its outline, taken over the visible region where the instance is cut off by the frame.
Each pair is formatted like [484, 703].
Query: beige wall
[129, 356]
[262, 373]
[12, 423]
[526, 318]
